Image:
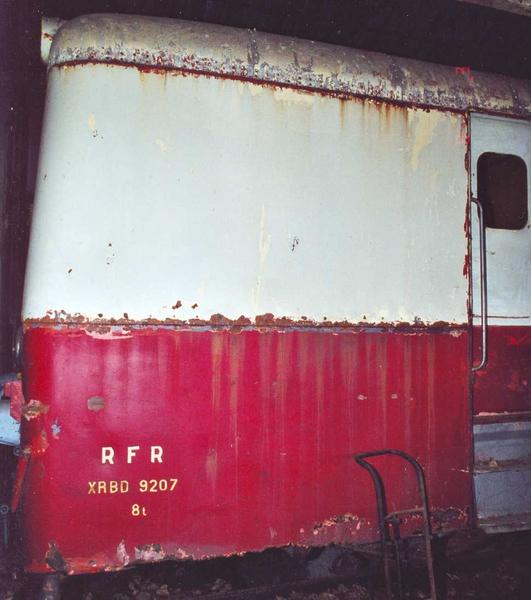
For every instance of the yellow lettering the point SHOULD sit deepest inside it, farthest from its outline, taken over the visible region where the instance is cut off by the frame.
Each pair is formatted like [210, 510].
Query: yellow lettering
[121, 486]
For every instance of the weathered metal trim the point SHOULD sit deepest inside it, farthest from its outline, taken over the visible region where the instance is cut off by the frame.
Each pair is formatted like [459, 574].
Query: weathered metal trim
[507, 417]
[483, 287]
[267, 58]
[49, 27]
[116, 326]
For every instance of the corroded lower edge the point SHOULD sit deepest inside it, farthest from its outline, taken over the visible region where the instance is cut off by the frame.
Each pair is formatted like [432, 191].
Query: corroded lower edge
[445, 522]
[218, 321]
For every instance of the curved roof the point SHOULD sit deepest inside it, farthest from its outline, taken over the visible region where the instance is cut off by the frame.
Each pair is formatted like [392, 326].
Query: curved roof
[239, 53]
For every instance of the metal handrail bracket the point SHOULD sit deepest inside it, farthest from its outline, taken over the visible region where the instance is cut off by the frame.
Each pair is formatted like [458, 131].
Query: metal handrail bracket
[483, 286]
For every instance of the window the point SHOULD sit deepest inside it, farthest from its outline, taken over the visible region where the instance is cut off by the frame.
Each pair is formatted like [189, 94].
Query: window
[502, 190]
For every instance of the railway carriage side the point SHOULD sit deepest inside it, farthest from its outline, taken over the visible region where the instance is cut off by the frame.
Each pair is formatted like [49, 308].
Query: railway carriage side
[233, 286]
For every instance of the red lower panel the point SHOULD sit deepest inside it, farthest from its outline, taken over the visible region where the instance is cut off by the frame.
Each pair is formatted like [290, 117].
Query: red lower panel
[258, 427]
[505, 385]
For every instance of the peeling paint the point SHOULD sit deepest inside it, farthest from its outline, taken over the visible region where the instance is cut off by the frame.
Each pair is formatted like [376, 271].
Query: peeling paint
[54, 559]
[34, 409]
[96, 403]
[121, 554]
[109, 329]
[354, 520]
[443, 518]
[38, 444]
[150, 553]
[56, 429]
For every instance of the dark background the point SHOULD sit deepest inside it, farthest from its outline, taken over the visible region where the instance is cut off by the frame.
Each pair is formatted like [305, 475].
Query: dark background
[443, 31]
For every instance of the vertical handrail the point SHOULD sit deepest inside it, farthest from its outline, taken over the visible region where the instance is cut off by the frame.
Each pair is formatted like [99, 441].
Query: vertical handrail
[483, 286]
[381, 508]
[382, 505]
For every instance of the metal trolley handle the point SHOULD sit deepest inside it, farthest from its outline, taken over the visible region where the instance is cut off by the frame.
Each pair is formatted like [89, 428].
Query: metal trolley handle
[392, 519]
[483, 284]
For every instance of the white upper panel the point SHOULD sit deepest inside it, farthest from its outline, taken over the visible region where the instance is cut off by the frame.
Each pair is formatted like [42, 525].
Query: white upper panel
[234, 198]
[508, 252]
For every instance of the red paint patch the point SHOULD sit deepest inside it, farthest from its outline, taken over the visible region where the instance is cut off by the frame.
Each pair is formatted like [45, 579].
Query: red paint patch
[505, 385]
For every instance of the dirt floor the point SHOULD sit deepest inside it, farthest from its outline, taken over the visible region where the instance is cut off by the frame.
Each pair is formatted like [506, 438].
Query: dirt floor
[478, 568]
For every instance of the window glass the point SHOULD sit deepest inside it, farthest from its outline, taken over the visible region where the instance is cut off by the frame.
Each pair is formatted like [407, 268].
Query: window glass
[502, 190]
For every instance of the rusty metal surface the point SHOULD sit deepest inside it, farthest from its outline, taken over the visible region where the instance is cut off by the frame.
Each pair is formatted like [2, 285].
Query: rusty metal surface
[112, 326]
[236, 53]
[49, 27]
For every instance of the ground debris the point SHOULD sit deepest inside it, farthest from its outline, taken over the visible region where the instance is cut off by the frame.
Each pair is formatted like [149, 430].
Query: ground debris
[479, 568]
[341, 592]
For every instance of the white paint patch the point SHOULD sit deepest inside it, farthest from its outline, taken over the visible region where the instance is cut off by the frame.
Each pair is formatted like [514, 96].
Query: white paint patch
[113, 334]
[121, 554]
[151, 553]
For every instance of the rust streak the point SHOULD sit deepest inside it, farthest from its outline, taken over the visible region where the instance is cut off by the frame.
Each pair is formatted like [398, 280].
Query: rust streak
[371, 99]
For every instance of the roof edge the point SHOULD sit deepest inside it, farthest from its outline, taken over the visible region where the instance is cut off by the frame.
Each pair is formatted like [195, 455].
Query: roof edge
[242, 53]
